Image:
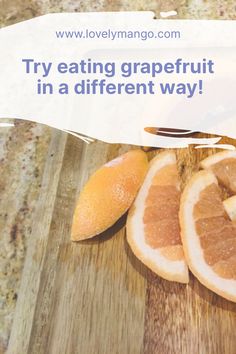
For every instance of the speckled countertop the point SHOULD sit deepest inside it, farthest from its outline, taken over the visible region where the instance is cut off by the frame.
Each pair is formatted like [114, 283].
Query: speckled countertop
[24, 145]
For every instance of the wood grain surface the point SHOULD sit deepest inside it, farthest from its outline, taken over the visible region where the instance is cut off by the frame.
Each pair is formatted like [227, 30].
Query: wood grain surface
[95, 297]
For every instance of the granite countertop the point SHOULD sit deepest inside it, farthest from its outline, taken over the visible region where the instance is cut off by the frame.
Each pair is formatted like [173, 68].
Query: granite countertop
[24, 145]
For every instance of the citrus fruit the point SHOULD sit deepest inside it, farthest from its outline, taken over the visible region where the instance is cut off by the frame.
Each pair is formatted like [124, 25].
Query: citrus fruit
[108, 194]
[208, 235]
[223, 165]
[153, 231]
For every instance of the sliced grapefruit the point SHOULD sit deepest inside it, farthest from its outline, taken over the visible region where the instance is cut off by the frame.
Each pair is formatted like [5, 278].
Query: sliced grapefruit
[208, 235]
[223, 165]
[108, 194]
[153, 231]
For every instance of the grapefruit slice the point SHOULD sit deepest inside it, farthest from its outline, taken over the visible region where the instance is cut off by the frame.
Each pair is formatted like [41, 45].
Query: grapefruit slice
[108, 194]
[208, 235]
[153, 231]
[223, 165]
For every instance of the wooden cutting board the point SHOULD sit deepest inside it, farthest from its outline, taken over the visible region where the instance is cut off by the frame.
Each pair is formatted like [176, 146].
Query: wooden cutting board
[95, 297]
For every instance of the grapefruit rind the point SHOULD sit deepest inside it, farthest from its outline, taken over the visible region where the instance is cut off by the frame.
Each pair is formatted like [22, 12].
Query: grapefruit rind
[219, 156]
[192, 248]
[152, 258]
[108, 194]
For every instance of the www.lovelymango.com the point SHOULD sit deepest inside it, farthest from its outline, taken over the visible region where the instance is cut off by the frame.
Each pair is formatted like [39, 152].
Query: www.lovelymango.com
[116, 35]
